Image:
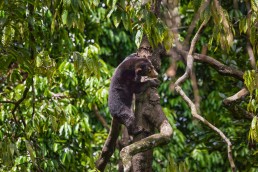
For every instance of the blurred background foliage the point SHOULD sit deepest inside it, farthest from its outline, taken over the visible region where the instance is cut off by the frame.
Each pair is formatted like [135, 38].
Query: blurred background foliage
[57, 58]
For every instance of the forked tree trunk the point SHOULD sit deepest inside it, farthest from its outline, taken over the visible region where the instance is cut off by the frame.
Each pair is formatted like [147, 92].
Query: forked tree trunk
[137, 157]
[148, 111]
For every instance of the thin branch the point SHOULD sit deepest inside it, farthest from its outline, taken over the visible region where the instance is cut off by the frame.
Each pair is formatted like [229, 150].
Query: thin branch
[194, 112]
[17, 104]
[235, 4]
[194, 22]
[7, 101]
[248, 44]
[197, 98]
[22, 118]
[121, 7]
[250, 53]
[100, 118]
[243, 92]
[59, 95]
[203, 120]
[33, 98]
[220, 67]
[31, 29]
[237, 110]
[190, 58]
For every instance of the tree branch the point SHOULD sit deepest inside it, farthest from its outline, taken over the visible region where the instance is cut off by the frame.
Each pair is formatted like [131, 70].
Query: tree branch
[190, 58]
[230, 103]
[17, 104]
[197, 97]
[7, 101]
[100, 118]
[204, 121]
[33, 98]
[145, 144]
[248, 44]
[194, 112]
[194, 22]
[220, 67]
[243, 92]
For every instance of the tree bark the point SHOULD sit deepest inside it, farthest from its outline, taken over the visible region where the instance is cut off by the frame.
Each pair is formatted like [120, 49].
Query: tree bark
[150, 116]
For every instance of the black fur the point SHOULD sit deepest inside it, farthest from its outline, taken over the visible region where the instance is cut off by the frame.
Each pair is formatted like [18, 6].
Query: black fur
[125, 82]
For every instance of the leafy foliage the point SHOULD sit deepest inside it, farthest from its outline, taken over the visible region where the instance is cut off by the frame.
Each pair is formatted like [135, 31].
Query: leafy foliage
[56, 59]
[50, 74]
[253, 130]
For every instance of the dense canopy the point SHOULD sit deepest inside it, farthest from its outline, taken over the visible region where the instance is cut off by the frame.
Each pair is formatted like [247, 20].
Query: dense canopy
[57, 58]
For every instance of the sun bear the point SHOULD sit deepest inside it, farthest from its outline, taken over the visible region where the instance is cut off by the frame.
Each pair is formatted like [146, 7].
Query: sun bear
[125, 82]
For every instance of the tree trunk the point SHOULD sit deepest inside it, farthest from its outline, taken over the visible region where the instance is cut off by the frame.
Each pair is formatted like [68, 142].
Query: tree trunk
[148, 111]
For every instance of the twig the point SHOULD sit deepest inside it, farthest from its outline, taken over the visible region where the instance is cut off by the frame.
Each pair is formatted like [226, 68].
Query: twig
[248, 44]
[197, 97]
[250, 53]
[33, 99]
[190, 60]
[22, 118]
[203, 120]
[100, 118]
[194, 22]
[7, 101]
[17, 104]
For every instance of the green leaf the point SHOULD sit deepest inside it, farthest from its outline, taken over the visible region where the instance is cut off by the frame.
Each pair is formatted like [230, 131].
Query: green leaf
[254, 123]
[75, 6]
[110, 12]
[253, 34]
[168, 41]
[64, 17]
[138, 37]
[254, 5]
[117, 18]
[96, 2]
[67, 4]
[8, 34]
[114, 3]
[12, 148]
[64, 157]
[126, 21]
[31, 151]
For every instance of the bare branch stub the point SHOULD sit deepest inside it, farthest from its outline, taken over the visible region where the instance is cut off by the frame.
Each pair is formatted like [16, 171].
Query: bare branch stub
[242, 93]
[231, 103]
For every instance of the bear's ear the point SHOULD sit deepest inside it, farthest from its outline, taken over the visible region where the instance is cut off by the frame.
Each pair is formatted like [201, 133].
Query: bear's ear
[138, 70]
